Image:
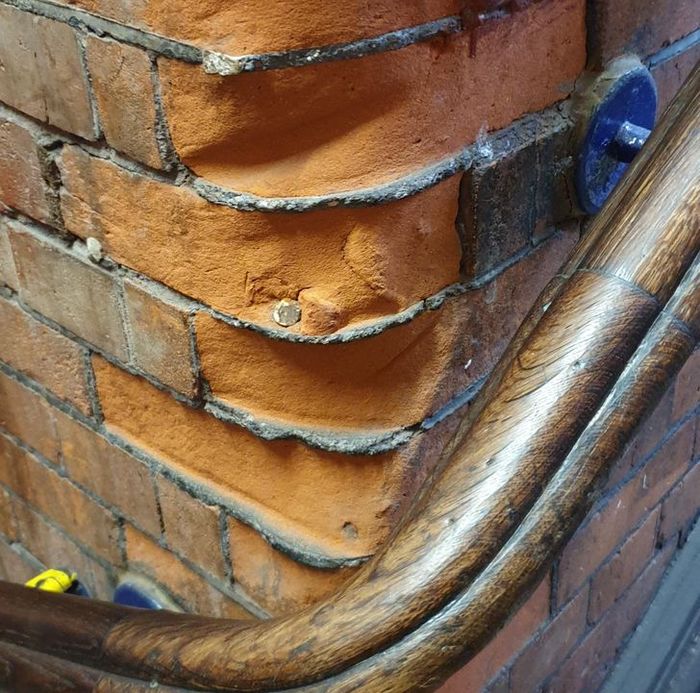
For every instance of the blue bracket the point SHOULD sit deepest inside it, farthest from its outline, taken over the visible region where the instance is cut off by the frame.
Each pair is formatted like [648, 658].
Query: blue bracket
[134, 590]
[617, 130]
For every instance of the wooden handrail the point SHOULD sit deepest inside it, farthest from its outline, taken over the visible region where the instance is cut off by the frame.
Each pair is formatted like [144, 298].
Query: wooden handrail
[596, 351]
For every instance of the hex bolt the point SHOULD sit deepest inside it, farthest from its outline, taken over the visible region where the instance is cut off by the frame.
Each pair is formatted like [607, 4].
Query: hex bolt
[287, 312]
[629, 140]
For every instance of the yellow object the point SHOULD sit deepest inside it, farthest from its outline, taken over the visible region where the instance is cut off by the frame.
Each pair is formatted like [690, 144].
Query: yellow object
[52, 581]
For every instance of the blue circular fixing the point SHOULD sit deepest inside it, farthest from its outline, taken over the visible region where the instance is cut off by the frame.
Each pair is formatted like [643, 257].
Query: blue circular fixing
[617, 129]
[128, 594]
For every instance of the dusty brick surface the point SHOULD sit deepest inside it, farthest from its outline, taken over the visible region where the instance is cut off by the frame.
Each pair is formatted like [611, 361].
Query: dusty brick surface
[615, 577]
[121, 80]
[375, 118]
[113, 475]
[14, 567]
[686, 392]
[43, 355]
[302, 492]
[244, 262]
[55, 550]
[42, 73]
[22, 184]
[190, 590]
[276, 582]
[393, 379]
[8, 273]
[191, 528]
[681, 507]
[586, 669]
[160, 337]
[547, 651]
[638, 26]
[510, 639]
[607, 527]
[257, 27]
[56, 498]
[27, 416]
[8, 522]
[79, 296]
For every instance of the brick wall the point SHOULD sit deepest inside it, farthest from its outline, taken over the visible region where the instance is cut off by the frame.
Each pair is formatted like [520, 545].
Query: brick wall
[398, 175]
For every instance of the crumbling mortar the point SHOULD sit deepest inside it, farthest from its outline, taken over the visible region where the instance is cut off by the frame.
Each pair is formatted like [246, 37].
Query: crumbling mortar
[168, 155]
[81, 39]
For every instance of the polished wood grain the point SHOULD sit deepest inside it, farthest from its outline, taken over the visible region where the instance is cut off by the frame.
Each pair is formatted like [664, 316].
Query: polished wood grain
[597, 350]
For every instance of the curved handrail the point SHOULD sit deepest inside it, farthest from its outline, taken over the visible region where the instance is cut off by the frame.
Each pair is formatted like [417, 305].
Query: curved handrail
[595, 352]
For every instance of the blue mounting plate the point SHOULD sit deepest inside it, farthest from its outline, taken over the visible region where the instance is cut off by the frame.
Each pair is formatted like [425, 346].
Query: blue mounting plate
[130, 594]
[632, 98]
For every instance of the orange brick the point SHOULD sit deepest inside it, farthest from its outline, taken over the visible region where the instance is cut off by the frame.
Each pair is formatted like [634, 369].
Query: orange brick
[354, 123]
[549, 649]
[42, 73]
[244, 262]
[160, 337]
[185, 586]
[191, 528]
[79, 296]
[14, 566]
[118, 478]
[121, 80]
[616, 576]
[275, 581]
[22, 184]
[607, 527]
[393, 379]
[57, 498]
[56, 550]
[253, 26]
[510, 639]
[304, 493]
[8, 273]
[44, 355]
[27, 416]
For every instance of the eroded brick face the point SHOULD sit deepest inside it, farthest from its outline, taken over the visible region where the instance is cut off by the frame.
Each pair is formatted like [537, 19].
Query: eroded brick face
[409, 201]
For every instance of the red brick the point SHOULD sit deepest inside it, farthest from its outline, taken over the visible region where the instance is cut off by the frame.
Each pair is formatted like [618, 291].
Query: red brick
[191, 528]
[253, 26]
[551, 647]
[244, 262]
[42, 73]
[607, 527]
[15, 567]
[160, 337]
[58, 499]
[121, 80]
[27, 416]
[354, 123]
[687, 388]
[22, 185]
[615, 577]
[8, 274]
[44, 355]
[681, 507]
[671, 74]
[118, 478]
[482, 668]
[186, 587]
[586, 669]
[638, 26]
[273, 580]
[55, 550]
[79, 296]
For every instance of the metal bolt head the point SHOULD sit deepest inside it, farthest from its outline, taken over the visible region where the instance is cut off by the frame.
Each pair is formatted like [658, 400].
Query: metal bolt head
[287, 312]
